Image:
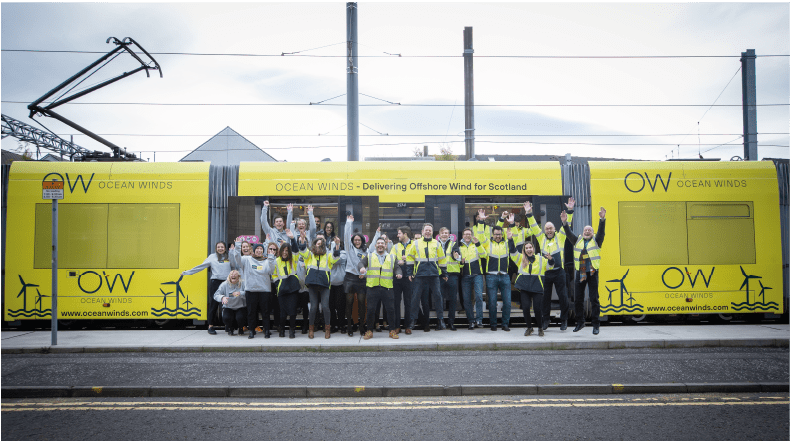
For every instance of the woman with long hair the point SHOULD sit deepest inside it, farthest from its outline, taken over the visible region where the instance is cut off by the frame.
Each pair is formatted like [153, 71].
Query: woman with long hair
[529, 280]
[219, 265]
[319, 266]
[274, 305]
[231, 294]
[354, 282]
[256, 271]
[286, 284]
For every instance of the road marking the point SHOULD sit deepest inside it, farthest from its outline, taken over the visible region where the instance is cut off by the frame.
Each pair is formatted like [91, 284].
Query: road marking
[274, 407]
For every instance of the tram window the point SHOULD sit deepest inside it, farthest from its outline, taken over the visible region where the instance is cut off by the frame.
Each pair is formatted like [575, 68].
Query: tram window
[494, 206]
[653, 233]
[394, 215]
[82, 236]
[721, 233]
[325, 208]
[143, 236]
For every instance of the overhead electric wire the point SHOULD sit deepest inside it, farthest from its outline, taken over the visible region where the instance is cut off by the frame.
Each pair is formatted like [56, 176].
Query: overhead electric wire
[419, 135]
[402, 105]
[209, 54]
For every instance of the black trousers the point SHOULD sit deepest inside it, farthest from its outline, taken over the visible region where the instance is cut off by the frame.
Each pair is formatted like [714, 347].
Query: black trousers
[213, 304]
[304, 299]
[450, 294]
[288, 303]
[358, 288]
[337, 305]
[570, 273]
[555, 278]
[258, 302]
[402, 292]
[535, 300]
[386, 297]
[592, 283]
[234, 318]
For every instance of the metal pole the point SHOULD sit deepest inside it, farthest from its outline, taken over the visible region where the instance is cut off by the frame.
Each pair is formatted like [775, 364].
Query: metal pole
[54, 272]
[469, 95]
[749, 87]
[352, 86]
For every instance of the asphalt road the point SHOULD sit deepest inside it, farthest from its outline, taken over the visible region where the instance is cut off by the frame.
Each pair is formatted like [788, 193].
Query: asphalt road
[688, 416]
[623, 366]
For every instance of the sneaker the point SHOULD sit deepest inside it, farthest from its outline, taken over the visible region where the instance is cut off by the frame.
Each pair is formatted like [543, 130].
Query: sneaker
[506, 328]
[212, 331]
[540, 332]
[394, 335]
[471, 326]
[368, 335]
[528, 332]
[596, 330]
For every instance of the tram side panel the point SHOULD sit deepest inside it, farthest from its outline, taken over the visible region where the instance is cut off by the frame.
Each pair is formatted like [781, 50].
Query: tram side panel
[689, 237]
[126, 232]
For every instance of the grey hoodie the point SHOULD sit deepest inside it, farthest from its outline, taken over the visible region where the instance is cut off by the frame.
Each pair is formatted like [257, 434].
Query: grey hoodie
[219, 270]
[353, 255]
[227, 290]
[278, 237]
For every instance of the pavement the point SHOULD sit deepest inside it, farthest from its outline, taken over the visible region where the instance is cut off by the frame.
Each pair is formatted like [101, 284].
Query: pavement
[611, 337]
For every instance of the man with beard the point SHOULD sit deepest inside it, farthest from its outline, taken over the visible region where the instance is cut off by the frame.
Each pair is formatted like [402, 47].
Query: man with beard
[587, 261]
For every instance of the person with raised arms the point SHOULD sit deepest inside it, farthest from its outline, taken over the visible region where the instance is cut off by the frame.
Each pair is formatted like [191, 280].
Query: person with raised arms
[354, 282]
[219, 265]
[319, 267]
[552, 242]
[450, 285]
[277, 234]
[300, 226]
[529, 280]
[587, 262]
[497, 279]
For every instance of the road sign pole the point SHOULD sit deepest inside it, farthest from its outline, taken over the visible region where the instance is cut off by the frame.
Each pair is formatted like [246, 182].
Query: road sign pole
[54, 272]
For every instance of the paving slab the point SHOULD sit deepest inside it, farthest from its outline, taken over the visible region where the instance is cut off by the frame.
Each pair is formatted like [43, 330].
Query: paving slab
[612, 337]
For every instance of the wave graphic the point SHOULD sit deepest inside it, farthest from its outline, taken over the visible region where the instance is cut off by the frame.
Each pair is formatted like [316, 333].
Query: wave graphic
[33, 313]
[753, 306]
[624, 308]
[168, 312]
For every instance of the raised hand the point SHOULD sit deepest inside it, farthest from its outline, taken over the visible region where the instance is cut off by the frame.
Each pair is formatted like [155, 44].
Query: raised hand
[475, 240]
[571, 203]
[289, 233]
[266, 204]
[528, 207]
[379, 228]
[504, 215]
[602, 213]
[337, 241]
[512, 219]
[290, 207]
[309, 208]
[350, 218]
[268, 238]
[564, 217]
[482, 214]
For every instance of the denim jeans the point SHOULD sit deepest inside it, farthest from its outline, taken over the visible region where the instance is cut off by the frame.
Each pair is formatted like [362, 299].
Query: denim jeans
[501, 283]
[467, 284]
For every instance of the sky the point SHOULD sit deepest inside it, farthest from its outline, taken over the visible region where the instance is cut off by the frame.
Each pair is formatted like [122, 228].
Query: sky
[526, 104]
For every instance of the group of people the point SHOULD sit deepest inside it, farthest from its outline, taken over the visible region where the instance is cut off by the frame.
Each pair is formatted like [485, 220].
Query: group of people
[300, 266]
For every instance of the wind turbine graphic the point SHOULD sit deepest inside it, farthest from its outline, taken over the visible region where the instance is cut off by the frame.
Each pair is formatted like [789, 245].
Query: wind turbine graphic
[187, 303]
[179, 291]
[610, 293]
[762, 291]
[23, 292]
[623, 289]
[38, 299]
[165, 294]
[746, 279]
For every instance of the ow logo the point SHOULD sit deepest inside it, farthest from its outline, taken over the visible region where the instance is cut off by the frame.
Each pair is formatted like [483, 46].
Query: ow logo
[671, 275]
[636, 183]
[87, 280]
[78, 180]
